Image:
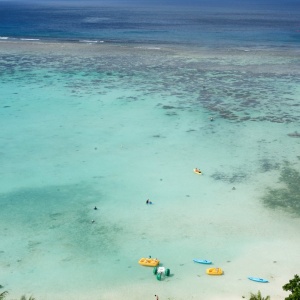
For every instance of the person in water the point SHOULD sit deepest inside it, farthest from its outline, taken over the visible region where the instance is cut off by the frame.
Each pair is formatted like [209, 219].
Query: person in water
[197, 171]
[148, 201]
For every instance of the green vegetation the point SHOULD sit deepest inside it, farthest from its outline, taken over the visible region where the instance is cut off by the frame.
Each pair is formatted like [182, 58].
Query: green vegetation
[288, 197]
[24, 298]
[3, 295]
[258, 296]
[294, 287]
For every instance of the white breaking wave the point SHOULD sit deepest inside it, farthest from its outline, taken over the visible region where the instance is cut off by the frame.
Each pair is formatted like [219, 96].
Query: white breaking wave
[148, 48]
[88, 41]
[23, 39]
[94, 19]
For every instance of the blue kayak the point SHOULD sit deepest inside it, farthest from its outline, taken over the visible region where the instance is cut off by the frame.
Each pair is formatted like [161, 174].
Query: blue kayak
[257, 279]
[202, 261]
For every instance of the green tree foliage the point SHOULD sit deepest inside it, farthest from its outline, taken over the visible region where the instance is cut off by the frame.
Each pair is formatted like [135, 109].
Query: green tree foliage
[294, 287]
[258, 296]
[24, 298]
[3, 295]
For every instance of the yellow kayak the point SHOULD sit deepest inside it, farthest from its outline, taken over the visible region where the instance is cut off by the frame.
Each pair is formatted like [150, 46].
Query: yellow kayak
[214, 271]
[149, 262]
[197, 171]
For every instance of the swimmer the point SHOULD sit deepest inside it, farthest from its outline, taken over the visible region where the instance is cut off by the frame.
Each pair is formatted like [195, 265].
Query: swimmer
[95, 208]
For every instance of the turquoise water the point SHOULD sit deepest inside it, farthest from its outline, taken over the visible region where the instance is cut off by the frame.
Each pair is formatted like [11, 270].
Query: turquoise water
[104, 125]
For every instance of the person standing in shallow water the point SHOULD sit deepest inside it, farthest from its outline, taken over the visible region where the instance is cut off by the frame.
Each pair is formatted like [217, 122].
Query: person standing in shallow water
[156, 297]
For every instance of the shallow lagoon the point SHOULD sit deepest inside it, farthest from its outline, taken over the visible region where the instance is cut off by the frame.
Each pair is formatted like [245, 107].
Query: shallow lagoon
[113, 125]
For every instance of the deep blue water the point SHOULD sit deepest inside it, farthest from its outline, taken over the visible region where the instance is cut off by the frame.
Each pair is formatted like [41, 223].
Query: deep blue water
[208, 26]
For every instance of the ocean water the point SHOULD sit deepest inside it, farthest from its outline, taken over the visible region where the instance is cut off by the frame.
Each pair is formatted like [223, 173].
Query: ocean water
[111, 106]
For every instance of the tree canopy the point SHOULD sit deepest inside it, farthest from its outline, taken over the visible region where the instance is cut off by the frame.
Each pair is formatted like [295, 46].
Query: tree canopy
[294, 287]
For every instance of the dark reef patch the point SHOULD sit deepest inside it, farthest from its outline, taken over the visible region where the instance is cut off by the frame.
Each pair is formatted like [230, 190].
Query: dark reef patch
[288, 197]
[230, 178]
[157, 136]
[234, 92]
[295, 134]
[168, 107]
[267, 165]
[171, 114]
